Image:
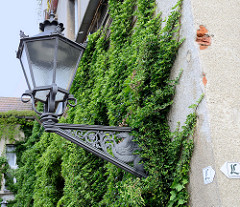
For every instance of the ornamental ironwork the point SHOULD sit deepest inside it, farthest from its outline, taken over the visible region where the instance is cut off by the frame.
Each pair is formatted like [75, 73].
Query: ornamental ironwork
[114, 144]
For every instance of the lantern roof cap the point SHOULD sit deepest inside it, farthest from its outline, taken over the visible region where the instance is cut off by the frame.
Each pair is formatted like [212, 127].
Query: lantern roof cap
[51, 22]
[48, 27]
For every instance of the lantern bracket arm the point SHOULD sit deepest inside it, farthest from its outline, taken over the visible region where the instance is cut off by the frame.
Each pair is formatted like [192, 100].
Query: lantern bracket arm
[113, 144]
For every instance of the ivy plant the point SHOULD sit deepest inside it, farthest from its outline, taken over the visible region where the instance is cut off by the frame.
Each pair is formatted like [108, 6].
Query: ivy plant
[123, 80]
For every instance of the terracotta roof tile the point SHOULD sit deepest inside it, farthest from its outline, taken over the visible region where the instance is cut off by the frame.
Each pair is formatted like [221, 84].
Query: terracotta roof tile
[14, 104]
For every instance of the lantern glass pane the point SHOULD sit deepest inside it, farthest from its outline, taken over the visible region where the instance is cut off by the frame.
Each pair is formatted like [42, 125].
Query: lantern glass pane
[26, 69]
[60, 96]
[42, 95]
[41, 54]
[67, 60]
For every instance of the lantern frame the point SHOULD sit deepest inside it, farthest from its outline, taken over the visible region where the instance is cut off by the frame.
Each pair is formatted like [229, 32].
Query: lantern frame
[53, 89]
[57, 37]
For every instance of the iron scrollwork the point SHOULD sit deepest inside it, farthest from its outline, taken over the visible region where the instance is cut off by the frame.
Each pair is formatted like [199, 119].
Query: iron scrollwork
[115, 144]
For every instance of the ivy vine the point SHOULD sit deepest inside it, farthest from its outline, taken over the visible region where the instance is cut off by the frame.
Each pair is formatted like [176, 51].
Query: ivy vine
[123, 79]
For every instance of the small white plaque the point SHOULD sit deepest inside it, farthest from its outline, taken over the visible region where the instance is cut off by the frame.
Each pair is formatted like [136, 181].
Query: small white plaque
[231, 169]
[208, 174]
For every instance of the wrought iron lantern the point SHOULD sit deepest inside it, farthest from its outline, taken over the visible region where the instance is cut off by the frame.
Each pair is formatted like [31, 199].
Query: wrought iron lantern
[49, 62]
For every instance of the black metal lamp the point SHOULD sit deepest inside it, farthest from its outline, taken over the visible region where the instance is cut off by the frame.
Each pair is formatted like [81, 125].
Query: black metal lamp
[49, 62]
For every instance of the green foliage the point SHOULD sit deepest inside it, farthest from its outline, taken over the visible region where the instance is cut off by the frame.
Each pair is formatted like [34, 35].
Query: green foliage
[11, 122]
[3, 166]
[49, 183]
[123, 79]
[27, 154]
[180, 152]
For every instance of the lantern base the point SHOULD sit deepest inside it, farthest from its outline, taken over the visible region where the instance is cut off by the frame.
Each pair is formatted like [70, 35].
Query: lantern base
[48, 120]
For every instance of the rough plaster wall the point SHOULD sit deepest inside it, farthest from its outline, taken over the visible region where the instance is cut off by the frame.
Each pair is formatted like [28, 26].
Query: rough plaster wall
[66, 15]
[83, 7]
[62, 13]
[220, 63]
[79, 14]
[188, 91]
[71, 20]
[66, 12]
[215, 72]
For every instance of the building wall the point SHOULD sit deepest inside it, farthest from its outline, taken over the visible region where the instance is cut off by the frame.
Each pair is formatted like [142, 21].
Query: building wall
[209, 58]
[4, 193]
[71, 14]
[210, 66]
[67, 11]
[8, 104]
[82, 9]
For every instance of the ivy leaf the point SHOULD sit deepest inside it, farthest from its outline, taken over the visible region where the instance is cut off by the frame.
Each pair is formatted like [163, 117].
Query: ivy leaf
[184, 181]
[181, 201]
[179, 187]
[173, 195]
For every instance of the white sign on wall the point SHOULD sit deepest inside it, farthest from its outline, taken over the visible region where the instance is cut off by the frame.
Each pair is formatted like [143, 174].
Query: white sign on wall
[208, 174]
[231, 169]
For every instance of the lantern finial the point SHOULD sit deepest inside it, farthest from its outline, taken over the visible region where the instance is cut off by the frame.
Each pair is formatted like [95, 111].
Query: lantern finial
[22, 34]
[51, 16]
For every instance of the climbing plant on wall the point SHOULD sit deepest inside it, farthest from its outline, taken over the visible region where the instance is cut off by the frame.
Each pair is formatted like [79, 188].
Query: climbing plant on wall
[123, 79]
[11, 122]
[15, 128]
